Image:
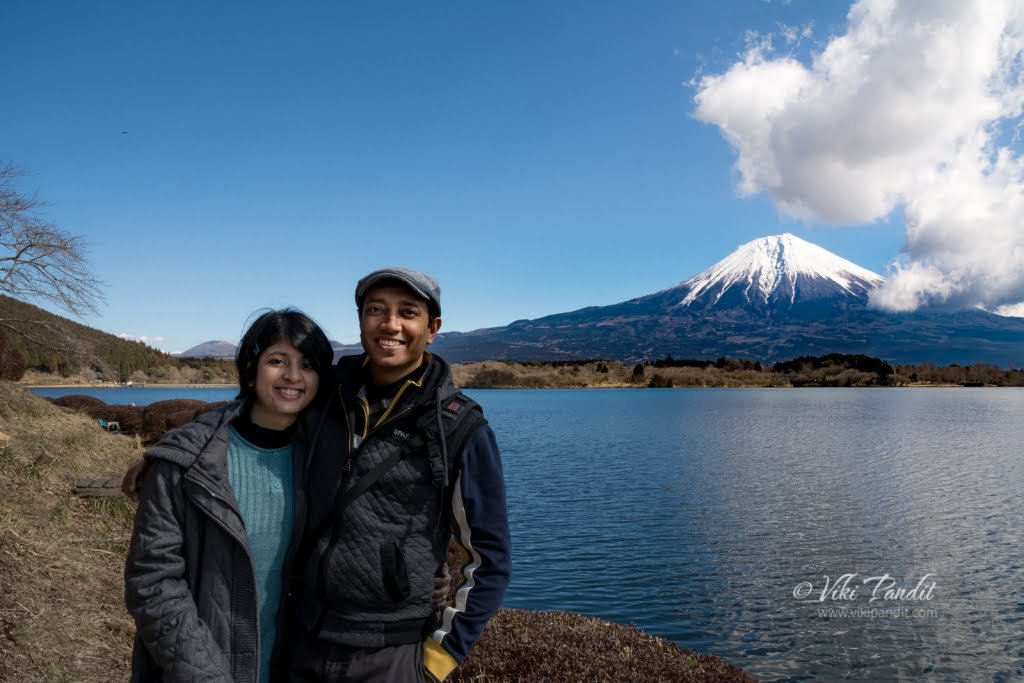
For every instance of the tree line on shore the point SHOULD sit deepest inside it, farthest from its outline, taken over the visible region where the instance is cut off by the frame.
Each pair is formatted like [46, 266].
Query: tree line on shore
[834, 369]
[115, 360]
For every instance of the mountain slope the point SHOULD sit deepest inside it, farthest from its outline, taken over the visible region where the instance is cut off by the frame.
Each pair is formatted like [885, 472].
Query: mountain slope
[211, 349]
[772, 299]
[779, 270]
[52, 343]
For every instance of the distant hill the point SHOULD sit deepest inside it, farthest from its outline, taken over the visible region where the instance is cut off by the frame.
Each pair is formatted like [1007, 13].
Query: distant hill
[226, 350]
[221, 350]
[345, 349]
[772, 299]
[51, 343]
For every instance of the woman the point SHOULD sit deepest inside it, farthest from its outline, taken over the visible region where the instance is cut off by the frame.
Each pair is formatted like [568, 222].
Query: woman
[220, 506]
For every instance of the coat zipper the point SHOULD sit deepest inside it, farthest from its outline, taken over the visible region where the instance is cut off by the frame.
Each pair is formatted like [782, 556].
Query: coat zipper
[245, 548]
[346, 472]
[332, 542]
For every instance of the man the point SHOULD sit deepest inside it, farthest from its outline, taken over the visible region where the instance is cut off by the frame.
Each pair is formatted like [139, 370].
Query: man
[399, 460]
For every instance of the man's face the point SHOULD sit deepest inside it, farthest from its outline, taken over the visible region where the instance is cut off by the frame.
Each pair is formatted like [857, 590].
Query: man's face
[395, 328]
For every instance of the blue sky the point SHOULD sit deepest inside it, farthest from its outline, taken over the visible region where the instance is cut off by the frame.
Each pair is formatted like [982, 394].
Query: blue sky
[536, 157]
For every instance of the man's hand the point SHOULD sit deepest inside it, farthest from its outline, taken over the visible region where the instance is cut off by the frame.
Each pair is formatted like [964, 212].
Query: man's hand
[132, 481]
[442, 583]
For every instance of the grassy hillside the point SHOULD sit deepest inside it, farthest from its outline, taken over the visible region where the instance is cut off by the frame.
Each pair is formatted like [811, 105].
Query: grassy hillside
[62, 615]
[59, 346]
[61, 557]
[54, 344]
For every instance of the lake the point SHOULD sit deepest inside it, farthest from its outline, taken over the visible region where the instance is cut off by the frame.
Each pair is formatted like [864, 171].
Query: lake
[141, 396]
[814, 534]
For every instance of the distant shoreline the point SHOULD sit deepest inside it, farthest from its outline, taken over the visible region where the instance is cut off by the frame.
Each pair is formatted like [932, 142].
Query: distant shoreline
[835, 370]
[920, 385]
[111, 385]
[832, 370]
[160, 385]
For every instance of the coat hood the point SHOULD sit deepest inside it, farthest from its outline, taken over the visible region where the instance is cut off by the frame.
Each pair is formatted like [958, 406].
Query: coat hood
[183, 445]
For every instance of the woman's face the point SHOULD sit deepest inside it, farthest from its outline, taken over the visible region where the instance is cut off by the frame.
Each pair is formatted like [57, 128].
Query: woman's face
[285, 384]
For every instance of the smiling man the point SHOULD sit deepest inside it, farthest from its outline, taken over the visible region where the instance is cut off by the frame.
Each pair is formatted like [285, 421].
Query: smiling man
[401, 462]
[395, 326]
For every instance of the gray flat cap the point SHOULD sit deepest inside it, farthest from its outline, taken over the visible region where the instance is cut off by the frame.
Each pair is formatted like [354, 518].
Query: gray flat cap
[421, 283]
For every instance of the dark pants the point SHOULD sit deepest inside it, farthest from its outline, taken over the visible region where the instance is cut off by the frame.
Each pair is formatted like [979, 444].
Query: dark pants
[316, 661]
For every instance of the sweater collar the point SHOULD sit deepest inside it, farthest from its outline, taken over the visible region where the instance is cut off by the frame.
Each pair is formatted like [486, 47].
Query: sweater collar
[262, 437]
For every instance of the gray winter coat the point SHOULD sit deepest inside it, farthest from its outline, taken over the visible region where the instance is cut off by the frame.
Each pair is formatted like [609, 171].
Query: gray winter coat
[189, 578]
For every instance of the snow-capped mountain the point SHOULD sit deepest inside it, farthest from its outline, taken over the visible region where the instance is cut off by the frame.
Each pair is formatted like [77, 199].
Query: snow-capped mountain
[775, 298]
[777, 270]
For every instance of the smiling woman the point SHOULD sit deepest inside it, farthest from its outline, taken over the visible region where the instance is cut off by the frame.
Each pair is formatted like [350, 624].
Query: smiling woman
[279, 360]
[285, 384]
[217, 509]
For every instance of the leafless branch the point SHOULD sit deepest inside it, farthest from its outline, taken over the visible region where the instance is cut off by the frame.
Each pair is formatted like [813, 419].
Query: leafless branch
[38, 261]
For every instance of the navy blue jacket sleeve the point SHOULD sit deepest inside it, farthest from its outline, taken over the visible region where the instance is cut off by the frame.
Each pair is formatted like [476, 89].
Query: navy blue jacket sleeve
[480, 526]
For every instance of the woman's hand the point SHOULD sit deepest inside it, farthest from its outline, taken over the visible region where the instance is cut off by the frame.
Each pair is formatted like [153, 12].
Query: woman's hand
[442, 584]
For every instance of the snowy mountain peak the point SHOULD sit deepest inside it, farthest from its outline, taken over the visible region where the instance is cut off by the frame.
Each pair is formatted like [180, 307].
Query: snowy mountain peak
[780, 267]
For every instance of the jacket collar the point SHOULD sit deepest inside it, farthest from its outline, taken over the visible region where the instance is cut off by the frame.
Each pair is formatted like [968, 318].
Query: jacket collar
[185, 445]
[432, 386]
[200, 448]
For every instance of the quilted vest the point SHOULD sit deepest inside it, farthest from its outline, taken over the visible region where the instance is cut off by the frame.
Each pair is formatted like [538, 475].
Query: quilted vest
[376, 563]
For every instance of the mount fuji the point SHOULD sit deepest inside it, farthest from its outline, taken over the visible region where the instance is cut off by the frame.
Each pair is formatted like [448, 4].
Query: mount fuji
[774, 298]
[773, 273]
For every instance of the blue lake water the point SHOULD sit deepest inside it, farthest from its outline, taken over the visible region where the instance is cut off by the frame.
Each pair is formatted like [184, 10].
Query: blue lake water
[141, 396]
[715, 518]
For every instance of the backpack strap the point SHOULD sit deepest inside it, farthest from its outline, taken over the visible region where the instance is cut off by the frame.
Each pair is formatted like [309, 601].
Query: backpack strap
[460, 416]
[365, 482]
[456, 419]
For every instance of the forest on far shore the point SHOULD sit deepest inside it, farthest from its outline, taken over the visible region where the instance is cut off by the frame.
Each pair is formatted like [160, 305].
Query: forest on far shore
[831, 370]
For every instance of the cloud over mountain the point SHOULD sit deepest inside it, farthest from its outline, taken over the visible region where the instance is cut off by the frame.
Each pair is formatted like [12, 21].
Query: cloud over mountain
[916, 107]
[140, 338]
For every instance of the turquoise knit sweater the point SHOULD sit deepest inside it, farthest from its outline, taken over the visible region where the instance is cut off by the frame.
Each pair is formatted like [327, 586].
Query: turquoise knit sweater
[262, 479]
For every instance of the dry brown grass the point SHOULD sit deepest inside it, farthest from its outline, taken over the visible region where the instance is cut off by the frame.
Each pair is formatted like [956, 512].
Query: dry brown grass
[62, 615]
[505, 375]
[560, 647]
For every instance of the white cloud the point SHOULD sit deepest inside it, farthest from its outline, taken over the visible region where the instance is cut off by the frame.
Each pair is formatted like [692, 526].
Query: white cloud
[906, 109]
[1016, 310]
[793, 35]
[140, 338]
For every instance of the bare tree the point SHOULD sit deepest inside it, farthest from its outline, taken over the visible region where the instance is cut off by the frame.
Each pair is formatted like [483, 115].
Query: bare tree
[190, 375]
[38, 261]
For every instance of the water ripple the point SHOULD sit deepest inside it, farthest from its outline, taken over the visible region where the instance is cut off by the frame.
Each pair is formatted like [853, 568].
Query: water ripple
[695, 514]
